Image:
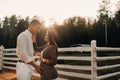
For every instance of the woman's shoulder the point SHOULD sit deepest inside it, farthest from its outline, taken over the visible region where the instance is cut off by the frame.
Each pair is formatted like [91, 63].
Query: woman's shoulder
[51, 47]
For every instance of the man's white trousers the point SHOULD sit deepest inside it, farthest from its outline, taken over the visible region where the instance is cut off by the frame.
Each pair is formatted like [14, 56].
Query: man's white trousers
[24, 71]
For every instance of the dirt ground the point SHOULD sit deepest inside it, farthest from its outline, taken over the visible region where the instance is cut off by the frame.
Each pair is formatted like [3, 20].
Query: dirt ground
[11, 75]
[7, 75]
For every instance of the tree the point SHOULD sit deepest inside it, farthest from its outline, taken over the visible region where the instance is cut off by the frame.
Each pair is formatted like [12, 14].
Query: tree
[117, 14]
[6, 32]
[114, 34]
[1, 36]
[0, 33]
[12, 28]
[22, 24]
[114, 28]
[104, 14]
[72, 31]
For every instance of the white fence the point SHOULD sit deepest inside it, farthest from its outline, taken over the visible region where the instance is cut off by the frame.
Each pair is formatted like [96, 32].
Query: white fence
[1, 57]
[83, 70]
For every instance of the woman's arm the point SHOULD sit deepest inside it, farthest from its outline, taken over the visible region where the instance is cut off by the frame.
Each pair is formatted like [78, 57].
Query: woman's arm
[38, 49]
[48, 61]
[53, 54]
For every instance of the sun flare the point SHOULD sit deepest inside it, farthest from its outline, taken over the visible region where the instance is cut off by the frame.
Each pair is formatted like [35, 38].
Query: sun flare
[47, 24]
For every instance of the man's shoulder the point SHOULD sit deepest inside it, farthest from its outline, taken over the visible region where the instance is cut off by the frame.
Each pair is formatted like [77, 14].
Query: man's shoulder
[22, 34]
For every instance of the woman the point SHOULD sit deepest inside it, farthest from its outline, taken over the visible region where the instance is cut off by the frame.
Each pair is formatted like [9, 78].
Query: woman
[48, 58]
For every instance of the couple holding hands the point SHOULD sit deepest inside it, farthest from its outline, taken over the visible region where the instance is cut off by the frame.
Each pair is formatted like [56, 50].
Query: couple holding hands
[26, 46]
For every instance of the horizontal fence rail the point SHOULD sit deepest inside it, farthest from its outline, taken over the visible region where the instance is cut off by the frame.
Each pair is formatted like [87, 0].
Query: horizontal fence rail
[9, 59]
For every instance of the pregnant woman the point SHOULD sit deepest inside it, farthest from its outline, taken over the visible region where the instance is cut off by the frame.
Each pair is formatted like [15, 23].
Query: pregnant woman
[48, 58]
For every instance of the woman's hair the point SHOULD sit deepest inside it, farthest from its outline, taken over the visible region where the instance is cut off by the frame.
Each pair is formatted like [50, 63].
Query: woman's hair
[51, 38]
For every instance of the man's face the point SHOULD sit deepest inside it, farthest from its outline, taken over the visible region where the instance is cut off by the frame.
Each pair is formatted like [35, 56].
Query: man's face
[36, 28]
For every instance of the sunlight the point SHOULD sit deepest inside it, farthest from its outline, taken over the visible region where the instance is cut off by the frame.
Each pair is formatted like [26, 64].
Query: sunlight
[47, 24]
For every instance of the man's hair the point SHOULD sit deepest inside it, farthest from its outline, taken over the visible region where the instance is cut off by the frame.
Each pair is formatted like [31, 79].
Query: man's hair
[35, 22]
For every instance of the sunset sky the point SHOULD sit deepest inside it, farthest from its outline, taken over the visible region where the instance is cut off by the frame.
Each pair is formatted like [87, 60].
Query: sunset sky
[57, 9]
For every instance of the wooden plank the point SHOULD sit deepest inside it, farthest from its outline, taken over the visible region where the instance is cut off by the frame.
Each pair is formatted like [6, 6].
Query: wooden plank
[7, 54]
[107, 49]
[107, 58]
[108, 67]
[71, 58]
[79, 49]
[11, 49]
[12, 68]
[73, 67]
[73, 74]
[74, 58]
[108, 75]
[13, 63]
[13, 59]
[93, 58]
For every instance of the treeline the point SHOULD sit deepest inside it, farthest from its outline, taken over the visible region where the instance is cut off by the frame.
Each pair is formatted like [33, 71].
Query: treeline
[74, 30]
[11, 27]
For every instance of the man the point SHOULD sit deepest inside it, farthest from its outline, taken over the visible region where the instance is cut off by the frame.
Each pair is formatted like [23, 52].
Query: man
[25, 52]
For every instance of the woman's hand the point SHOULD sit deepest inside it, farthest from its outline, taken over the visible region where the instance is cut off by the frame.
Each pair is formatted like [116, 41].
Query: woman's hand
[43, 59]
[38, 68]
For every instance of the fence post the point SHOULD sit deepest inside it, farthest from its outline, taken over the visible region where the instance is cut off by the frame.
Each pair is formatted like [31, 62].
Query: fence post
[93, 60]
[1, 57]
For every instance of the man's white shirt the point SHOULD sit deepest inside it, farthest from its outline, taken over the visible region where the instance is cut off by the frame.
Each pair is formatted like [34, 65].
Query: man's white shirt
[25, 47]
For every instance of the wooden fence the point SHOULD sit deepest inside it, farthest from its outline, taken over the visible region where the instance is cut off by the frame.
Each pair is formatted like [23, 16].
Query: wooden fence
[73, 72]
[1, 57]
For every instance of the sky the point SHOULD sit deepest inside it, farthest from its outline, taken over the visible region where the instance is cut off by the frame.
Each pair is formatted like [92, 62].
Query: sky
[56, 9]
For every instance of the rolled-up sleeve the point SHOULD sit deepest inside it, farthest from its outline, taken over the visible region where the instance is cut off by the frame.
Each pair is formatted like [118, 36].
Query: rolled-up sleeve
[53, 56]
[23, 47]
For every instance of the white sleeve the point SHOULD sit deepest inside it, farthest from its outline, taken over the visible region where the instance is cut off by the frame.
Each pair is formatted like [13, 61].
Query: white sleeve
[23, 43]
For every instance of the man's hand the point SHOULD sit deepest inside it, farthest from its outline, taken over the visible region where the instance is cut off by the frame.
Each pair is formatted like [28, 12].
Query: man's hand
[37, 67]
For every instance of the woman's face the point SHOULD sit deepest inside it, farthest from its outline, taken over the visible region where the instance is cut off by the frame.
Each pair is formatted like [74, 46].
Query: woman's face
[46, 37]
